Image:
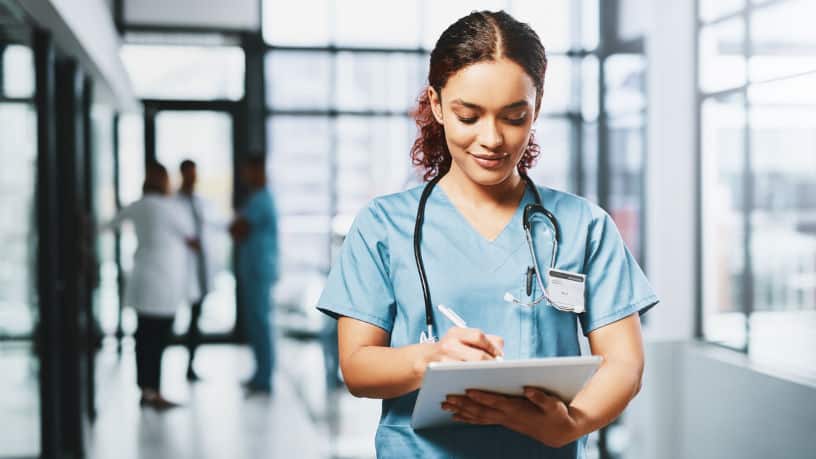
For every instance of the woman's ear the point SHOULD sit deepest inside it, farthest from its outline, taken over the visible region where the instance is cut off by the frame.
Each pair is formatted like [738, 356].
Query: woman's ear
[436, 104]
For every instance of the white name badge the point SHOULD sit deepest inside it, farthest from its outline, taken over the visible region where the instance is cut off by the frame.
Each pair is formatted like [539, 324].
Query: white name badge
[566, 289]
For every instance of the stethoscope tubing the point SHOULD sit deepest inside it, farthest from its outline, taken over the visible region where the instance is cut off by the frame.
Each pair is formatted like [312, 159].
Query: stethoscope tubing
[528, 211]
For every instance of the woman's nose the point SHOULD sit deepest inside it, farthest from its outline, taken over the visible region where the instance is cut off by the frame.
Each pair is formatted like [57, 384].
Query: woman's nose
[491, 137]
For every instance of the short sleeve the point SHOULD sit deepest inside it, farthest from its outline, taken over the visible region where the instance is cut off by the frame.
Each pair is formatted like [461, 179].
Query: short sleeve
[258, 210]
[359, 284]
[615, 285]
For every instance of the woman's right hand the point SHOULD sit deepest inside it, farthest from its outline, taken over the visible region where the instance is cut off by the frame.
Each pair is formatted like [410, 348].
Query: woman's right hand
[464, 345]
[372, 368]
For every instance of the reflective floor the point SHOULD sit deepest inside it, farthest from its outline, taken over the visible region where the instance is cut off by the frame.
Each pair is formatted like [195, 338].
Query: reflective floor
[218, 421]
[301, 419]
[19, 401]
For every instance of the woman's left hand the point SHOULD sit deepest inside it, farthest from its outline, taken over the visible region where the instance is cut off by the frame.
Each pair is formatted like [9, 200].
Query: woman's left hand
[537, 414]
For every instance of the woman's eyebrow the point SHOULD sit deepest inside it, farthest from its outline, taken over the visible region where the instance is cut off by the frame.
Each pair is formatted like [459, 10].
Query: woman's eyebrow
[517, 104]
[466, 104]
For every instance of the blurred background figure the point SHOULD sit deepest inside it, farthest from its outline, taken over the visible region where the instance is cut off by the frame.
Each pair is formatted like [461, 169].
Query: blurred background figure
[255, 231]
[158, 283]
[199, 265]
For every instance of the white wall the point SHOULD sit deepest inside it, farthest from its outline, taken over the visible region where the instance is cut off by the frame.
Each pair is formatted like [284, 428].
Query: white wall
[707, 403]
[670, 181]
[633, 17]
[222, 14]
[654, 419]
[736, 410]
[84, 29]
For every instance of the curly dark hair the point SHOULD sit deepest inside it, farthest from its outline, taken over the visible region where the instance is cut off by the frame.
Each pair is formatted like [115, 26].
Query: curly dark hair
[478, 37]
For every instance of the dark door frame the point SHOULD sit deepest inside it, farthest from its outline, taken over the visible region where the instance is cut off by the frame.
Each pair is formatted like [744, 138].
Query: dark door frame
[74, 248]
[48, 226]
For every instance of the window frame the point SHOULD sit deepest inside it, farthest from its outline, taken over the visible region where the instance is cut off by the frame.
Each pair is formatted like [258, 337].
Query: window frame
[747, 302]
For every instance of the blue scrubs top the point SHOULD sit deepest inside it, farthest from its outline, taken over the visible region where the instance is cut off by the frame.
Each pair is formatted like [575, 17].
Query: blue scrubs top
[375, 280]
[258, 253]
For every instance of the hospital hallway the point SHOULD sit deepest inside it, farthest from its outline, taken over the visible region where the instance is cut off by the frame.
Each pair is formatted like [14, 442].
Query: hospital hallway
[203, 174]
[216, 419]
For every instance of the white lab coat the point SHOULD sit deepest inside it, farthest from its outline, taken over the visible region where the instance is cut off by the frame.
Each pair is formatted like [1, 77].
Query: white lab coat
[214, 230]
[157, 285]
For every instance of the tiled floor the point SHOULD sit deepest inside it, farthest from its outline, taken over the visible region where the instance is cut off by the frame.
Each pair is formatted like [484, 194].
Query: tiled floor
[217, 421]
[19, 401]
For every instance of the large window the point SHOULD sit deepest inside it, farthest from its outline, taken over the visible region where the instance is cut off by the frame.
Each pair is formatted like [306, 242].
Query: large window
[339, 97]
[19, 365]
[174, 71]
[18, 151]
[18, 74]
[625, 110]
[131, 176]
[757, 71]
[104, 193]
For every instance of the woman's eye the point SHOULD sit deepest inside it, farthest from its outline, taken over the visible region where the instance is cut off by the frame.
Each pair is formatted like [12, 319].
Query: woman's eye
[517, 120]
[470, 120]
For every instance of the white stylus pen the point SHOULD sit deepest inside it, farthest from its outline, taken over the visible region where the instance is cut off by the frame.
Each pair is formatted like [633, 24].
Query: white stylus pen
[454, 317]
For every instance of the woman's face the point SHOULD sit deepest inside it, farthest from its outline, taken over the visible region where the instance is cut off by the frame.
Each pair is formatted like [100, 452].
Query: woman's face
[487, 110]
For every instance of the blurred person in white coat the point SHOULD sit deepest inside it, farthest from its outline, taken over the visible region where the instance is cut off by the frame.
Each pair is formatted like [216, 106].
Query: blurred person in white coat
[157, 285]
[201, 263]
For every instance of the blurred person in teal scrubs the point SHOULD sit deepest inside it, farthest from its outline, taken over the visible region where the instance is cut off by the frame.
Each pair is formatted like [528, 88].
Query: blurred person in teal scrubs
[474, 146]
[255, 232]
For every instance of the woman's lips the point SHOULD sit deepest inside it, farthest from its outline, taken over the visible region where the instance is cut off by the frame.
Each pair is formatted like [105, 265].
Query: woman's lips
[489, 161]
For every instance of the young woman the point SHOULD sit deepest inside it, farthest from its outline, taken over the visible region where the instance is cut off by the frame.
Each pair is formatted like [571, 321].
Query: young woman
[470, 253]
[157, 285]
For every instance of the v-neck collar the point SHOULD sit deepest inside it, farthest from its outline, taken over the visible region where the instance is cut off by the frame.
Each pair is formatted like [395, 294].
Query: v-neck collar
[505, 237]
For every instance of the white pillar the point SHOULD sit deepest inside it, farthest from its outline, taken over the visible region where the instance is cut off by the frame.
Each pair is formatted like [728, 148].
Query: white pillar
[655, 418]
[671, 157]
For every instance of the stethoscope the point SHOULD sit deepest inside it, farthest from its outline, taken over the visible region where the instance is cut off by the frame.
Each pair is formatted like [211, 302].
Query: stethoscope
[530, 210]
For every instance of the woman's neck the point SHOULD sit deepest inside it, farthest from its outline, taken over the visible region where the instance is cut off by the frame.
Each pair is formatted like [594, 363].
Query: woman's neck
[459, 186]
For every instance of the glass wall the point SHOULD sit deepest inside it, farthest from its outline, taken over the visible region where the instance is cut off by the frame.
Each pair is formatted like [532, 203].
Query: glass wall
[723, 124]
[19, 385]
[131, 176]
[625, 107]
[758, 153]
[339, 96]
[106, 301]
[18, 150]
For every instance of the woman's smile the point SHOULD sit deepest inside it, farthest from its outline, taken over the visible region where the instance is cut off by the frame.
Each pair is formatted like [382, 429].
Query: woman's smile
[489, 161]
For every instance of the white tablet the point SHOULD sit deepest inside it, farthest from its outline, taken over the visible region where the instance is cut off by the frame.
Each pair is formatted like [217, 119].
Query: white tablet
[561, 376]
